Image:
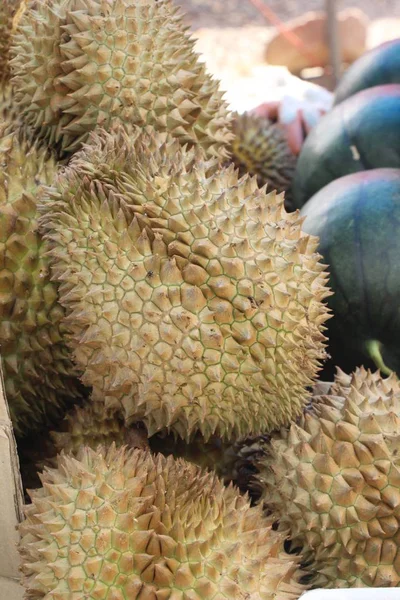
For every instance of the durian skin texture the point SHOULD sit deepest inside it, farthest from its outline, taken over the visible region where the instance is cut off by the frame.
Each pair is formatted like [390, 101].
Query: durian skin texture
[9, 11]
[260, 148]
[92, 425]
[232, 461]
[39, 376]
[333, 482]
[126, 525]
[82, 63]
[194, 301]
[7, 110]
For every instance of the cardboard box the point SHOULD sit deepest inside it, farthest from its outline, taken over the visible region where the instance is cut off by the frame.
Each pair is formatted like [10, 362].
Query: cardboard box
[11, 505]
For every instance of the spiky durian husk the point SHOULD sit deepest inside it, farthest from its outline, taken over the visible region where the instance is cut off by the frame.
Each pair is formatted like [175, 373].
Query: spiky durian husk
[10, 12]
[333, 482]
[121, 524]
[39, 376]
[82, 63]
[10, 115]
[5, 108]
[93, 425]
[194, 301]
[260, 148]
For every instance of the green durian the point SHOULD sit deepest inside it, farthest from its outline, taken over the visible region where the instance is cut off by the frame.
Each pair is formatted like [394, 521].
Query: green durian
[39, 376]
[260, 148]
[120, 524]
[194, 301]
[82, 63]
[333, 483]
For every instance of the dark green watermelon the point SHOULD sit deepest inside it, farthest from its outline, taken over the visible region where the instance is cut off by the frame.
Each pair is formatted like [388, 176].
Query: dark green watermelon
[361, 133]
[357, 219]
[379, 66]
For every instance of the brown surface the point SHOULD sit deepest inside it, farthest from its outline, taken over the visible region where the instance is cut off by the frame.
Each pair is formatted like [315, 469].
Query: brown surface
[236, 13]
[311, 30]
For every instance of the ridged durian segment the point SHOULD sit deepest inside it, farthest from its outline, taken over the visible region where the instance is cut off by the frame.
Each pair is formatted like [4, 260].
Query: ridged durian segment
[82, 63]
[125, 524]
[93, 425]
[10, 11]
[260, 148]
[39, 376]
[194, 301]
[333, 482]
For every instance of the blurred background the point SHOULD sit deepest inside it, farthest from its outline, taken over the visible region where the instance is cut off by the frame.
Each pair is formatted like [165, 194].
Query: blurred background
[255, 47]
[238, 13]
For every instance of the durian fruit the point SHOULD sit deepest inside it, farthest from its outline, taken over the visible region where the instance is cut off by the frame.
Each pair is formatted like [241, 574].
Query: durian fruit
[333, 482]
[82, 63]
[260, 148]
[93, 425]
[39, 376]
[194, 302]
[125, 524]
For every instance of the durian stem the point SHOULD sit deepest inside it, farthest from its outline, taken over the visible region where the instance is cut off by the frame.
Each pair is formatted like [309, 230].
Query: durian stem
[374, 351]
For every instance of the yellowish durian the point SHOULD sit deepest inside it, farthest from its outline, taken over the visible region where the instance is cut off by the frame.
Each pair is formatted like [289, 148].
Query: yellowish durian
[333, 483]
[123, 524]
[194, 301]
[82, 63]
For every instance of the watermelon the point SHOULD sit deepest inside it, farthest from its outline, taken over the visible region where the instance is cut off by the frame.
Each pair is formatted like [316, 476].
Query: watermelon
[361, 133]
[379, 66]
[357, 219]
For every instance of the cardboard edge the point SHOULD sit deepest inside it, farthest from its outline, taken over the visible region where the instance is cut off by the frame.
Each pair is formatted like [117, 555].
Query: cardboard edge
[11, 589]
[11, 504]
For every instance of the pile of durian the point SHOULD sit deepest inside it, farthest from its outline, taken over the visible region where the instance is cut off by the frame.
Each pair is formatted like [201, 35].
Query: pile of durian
[159, 308]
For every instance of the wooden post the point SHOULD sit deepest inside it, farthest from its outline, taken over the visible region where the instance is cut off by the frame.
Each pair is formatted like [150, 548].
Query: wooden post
[11, 505]
[333, 40]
